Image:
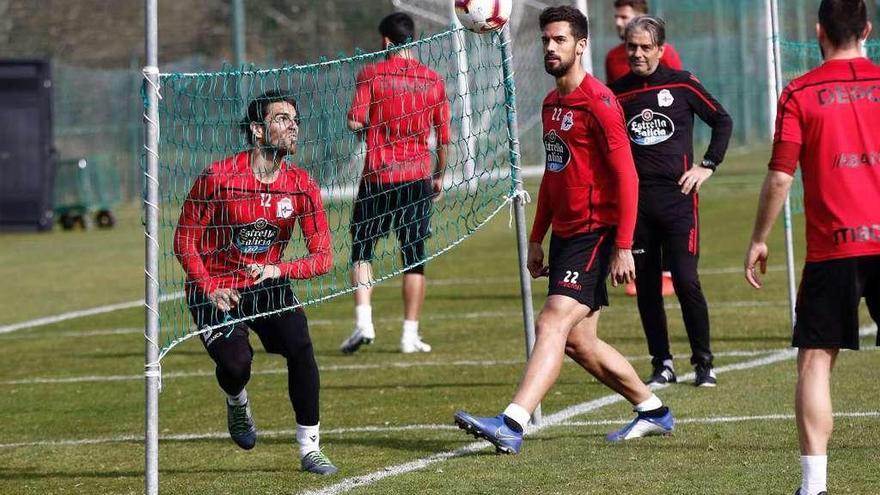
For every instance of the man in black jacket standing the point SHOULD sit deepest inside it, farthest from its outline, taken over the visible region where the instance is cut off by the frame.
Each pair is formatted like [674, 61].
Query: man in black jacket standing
[659, 106]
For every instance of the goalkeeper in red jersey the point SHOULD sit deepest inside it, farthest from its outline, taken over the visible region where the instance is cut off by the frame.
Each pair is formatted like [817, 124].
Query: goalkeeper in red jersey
[234, 226]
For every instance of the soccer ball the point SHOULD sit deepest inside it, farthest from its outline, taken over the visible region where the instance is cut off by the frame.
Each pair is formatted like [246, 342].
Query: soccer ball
[482, 16]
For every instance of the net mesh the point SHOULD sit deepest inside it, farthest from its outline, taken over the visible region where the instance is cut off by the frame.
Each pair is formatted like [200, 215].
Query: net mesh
[199, 119]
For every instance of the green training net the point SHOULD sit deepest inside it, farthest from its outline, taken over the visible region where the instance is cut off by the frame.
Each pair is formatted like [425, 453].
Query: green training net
[199, 121]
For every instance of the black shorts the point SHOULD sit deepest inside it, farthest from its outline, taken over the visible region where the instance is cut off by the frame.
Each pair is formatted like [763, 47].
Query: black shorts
[270, 296]
[579, 266]
[406, 206]
[828, 302]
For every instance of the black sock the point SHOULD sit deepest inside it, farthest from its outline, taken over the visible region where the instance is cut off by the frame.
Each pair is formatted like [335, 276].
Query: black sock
[656, 413]
[513, 425]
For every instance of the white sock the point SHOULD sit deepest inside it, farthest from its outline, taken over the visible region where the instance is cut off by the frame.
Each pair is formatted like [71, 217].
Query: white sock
[308, 438]
[668, 364]
[237, 400]
[519, 414]
[363, 316]
[814, 469]
[410, 330]
[649, 405]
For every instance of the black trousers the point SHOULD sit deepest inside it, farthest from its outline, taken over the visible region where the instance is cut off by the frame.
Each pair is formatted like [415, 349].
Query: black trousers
[285, 332]
[667, 233]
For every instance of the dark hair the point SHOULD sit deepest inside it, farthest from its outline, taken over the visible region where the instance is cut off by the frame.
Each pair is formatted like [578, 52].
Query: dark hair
[258, 108]
[654, 26]
[637, 5]
[580, 27]
[398, 27]
[843, 20]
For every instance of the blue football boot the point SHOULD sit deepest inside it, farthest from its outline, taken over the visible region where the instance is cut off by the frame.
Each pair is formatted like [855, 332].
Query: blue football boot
[505, 440]
[644, 426]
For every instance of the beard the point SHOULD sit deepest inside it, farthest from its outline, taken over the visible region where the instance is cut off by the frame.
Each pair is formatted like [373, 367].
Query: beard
[277, 151]
[561, 69]
[280, 146]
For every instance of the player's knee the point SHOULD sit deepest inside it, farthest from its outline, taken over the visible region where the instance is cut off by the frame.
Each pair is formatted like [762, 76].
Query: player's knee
[686, 284]
[416, 270]
[236, 367]
[547, 327]
[413, 254]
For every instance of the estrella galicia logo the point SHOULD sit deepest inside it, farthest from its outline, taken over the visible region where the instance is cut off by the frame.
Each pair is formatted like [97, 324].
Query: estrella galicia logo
[558, 154]
[649, 128]
[256, 237]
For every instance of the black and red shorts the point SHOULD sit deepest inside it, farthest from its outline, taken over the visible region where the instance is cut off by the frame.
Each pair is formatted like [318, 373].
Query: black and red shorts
[579, 266]
[828, 302]
[406, 207]
[270, 311]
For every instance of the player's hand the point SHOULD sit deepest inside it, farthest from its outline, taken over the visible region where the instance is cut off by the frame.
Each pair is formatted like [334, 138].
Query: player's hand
[623, 267]
[224, 299]
[437, 188]
[261, 273]
[535, 261]
[756, 258]
[693, 179]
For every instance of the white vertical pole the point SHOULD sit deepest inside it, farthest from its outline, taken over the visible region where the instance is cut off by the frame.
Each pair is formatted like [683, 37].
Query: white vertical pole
[152, 372]
[464, 91]
[774, 73]
[587, 57]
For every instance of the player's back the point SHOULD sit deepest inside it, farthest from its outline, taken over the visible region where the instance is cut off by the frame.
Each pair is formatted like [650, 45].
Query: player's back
[400, 100]
[837, 106]
[403, 93]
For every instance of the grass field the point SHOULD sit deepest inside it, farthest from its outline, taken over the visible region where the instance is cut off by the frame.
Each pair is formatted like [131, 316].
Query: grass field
[72, 392]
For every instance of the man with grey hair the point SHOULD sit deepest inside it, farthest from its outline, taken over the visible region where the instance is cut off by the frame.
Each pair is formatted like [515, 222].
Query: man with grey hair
[659, 105]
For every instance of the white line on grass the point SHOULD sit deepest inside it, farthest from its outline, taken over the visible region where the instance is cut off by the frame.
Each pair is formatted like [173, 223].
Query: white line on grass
[865, 331]
[177, 295]
[721, 419]
[4, 331]
[332, 367]
[291, 433]
[549, 420]
[81, 313]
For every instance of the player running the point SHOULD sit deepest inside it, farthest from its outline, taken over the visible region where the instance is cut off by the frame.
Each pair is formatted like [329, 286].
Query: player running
[234, 225]
[828, 120]
[659, 104]
[589, 195]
